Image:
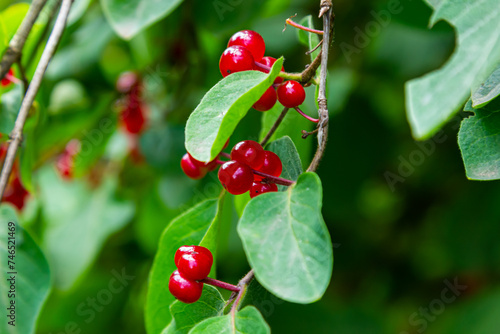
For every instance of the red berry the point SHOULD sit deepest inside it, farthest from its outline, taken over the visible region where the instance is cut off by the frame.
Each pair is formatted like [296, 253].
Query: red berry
[186, 290]
[6, 81]
[15, 193]
[192, 167]
[65, 166]
[260, 188]
[236, 177]
[266, 101]
[269, 61]
[194, 262]
[235, 59]
[272, 165]
[291, 94]
[250, 40]
[248, 152]
[133, 118]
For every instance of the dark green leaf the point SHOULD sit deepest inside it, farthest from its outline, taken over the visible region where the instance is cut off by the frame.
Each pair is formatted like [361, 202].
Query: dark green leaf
[479, 141]
[196, 226]
[186, 316]
[489, 90]
[78, 221]
[285, 149]
[287, 243]
[32, 276]
[247, 321]
[128, 18]
[221, 109]
[433, 99]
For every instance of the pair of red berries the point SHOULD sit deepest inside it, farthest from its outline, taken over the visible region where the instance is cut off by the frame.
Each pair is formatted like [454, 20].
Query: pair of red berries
[245, 52]
[193, 265]
[237, 176]
[132, 116]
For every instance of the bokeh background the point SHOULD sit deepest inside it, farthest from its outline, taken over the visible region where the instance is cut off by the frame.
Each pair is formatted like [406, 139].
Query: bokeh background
[405, 222]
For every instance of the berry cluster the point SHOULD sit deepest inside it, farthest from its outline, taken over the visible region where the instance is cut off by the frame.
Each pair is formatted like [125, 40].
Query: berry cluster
[15, 193]
[248, 170]
[237, 176]
[66, 161]
[132, 115]
[193, 265]
[245, 52]
[7, 80]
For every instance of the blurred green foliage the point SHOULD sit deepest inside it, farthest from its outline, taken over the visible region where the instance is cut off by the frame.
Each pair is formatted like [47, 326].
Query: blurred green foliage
[398, 242]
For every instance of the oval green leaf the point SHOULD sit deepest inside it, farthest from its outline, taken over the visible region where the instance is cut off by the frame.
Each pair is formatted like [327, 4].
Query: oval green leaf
[433, 99]
[186, 316]
[222, 108]
[287, 242]
[196, 226]
[247, 321]
[128, 18]
[31, 278]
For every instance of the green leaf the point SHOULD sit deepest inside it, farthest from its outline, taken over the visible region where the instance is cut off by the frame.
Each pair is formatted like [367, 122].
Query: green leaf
[219, 112]
[10, 20]
[128, 18]
[479, 140]
[9, 107]
[196, 226]
[32, 278]
[489, 90]
[247, 321]
[286, 150]
[287, 243]
[78, 220]
[433, 99]
[186, 316]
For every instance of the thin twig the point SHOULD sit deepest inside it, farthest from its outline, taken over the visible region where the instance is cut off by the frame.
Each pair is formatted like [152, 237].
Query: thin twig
[301, 27]
[315, 48]
[14, 50]
[48, 52]
[322, 100]
[274, 127]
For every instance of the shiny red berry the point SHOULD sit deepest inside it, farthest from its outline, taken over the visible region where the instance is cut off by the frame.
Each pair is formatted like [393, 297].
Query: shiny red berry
[291, 94]
[186, 290]
[194, 262]
[236, 177]
[250, 40]
[248, 152]
[272, 165]
[6, 81]
[192, 168]
[235, 59]
[267, 100]
[269, 61]
[15, 193]
[260, 188]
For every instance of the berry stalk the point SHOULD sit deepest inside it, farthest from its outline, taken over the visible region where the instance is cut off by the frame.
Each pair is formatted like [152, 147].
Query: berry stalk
[274, 179]
[220, 284]
[306, 116]
[301, 27]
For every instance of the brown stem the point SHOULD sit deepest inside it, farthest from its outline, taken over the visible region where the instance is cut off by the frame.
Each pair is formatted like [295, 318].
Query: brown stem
[15, 48]
[274, 127]
[23, 75]
[48, 52]
[274, 179]
[328, 20]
